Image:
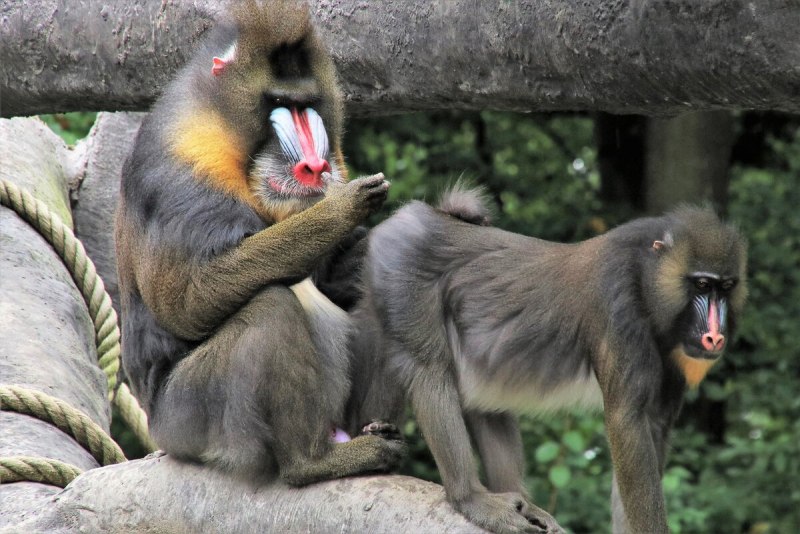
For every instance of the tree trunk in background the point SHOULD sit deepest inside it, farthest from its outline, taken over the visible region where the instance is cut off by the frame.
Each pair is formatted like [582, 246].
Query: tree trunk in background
[96, 196]
[688, 160]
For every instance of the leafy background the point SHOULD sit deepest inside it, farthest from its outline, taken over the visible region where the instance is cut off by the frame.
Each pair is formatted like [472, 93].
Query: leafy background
[742, 475]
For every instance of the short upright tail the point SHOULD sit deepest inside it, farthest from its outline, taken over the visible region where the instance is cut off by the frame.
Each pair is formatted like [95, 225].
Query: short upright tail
[468, 204]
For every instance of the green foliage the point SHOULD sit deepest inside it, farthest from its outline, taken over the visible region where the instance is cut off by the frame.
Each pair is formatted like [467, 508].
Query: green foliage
[568, 469]
[125, 437]
[542, 174]
[70, 126]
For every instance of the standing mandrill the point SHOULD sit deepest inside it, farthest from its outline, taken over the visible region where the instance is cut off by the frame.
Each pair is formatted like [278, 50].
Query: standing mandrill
[233, 193]
[481, 324]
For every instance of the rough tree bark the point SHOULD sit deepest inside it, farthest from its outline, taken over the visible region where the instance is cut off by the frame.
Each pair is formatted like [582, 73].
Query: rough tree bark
[47, 344]
[46, 338]
[95, 195]
[158, 494]
[654, 57]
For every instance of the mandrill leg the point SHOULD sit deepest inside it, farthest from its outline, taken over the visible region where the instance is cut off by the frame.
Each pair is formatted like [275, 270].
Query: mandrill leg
[243, 393]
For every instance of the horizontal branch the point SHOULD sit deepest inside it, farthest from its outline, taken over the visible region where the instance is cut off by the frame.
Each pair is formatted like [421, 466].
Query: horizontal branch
[655, 57]
[158, 494]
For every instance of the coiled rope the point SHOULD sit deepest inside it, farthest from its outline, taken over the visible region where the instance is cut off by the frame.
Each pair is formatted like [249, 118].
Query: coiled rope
[36, 469]
[57, 412]
[107, 336]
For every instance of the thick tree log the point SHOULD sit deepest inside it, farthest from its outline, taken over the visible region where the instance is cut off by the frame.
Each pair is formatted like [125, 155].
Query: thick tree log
[97, 192]
[655, 57]
[161, 495]
[47, 343]
[46, 338]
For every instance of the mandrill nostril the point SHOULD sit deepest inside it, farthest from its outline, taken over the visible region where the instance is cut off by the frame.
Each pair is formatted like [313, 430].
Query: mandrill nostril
[309, 172]
[713, 342]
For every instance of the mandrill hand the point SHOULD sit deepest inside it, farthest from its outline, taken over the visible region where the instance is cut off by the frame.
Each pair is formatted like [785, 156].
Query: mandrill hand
[363, 196]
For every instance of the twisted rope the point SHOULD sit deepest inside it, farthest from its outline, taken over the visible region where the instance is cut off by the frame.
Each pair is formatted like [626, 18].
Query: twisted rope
[35, 469]
[57, 412]
[133, 415]
[84, 273]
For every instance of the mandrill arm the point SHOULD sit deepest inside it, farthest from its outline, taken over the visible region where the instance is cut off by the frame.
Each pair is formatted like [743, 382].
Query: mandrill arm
[637, 419]
[191, 299]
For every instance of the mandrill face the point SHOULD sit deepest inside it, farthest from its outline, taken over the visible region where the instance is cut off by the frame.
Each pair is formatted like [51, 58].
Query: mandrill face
[299, 176]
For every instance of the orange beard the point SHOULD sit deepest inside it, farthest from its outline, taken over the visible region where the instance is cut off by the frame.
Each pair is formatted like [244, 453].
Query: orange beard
[694, 369]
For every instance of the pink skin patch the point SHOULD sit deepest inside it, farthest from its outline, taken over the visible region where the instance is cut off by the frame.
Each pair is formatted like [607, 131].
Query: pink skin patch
[280, 188]
[308, 171]
[339, 436]
[221, 62]
[713, 340]
[219, 66]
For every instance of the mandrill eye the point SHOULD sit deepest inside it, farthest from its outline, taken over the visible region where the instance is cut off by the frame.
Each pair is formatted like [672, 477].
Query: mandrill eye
[727, 285]
[271, 101]
[702, 284]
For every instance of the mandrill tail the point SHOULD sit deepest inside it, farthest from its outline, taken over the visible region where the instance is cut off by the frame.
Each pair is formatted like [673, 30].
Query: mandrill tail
[470, 204]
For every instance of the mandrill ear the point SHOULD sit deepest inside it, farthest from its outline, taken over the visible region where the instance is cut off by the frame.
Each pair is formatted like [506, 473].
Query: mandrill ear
[221, 62]
[663, 244]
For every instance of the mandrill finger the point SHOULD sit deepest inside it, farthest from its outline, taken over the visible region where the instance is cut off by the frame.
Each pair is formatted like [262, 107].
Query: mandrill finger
[383, 430]
[379, 192]
[372, 185]
[373, 181]
[379, 189]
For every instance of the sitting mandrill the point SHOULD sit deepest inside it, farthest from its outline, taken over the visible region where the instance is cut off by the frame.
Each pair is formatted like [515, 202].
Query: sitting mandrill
[233, 193]
[480, 324]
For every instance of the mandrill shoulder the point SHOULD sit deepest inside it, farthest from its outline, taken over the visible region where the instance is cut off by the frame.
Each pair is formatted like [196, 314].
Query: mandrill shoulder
[167, 208]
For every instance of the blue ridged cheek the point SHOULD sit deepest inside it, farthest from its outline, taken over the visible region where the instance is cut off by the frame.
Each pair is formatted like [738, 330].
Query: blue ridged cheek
[723, 314]
[700, 304]
[284, 126]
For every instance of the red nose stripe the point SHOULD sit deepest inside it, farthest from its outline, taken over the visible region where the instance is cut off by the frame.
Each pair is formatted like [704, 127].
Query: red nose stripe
[310, 157]
[713, 340]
